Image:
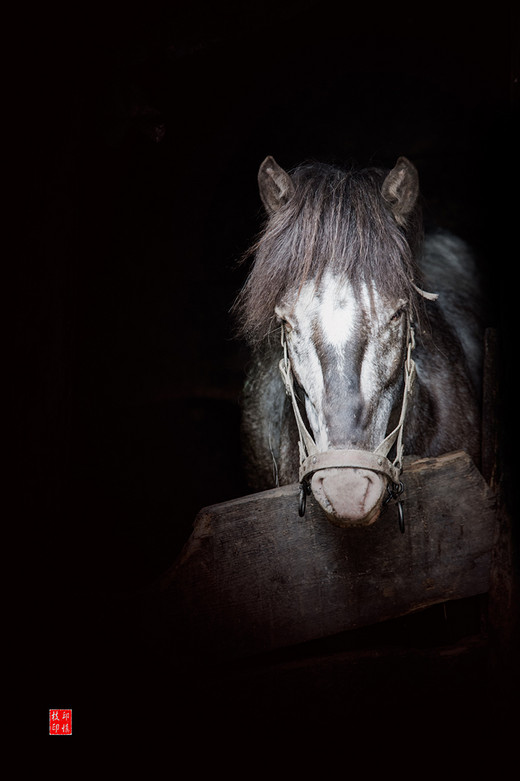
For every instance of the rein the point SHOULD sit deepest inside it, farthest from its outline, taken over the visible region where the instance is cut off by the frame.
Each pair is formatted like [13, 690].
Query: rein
[311, 460]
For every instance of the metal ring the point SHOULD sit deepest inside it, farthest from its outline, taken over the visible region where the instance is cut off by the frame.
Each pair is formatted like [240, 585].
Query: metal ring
[401, 516]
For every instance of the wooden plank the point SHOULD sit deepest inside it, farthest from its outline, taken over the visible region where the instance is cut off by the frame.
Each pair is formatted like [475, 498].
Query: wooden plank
[254, 576]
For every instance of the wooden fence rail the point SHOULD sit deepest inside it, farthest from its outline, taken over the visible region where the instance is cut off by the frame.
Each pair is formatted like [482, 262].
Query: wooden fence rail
[254, 576]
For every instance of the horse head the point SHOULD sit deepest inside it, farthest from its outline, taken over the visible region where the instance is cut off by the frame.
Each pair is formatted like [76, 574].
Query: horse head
[347, 331]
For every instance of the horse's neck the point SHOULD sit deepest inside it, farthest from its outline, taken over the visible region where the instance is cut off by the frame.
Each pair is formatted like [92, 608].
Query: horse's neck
[270, 438]
[444, 413]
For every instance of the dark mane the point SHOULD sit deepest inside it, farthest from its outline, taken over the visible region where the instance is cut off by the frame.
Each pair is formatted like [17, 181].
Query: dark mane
[336, 220]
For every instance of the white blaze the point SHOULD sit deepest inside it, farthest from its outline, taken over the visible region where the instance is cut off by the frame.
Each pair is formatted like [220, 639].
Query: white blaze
[333, 309]
[337, 314]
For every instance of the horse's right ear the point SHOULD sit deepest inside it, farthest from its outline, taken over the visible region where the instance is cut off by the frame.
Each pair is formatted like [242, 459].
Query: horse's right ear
[275, 185]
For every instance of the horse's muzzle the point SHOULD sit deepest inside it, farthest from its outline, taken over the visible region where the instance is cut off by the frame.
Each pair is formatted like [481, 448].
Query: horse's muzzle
[350, 496]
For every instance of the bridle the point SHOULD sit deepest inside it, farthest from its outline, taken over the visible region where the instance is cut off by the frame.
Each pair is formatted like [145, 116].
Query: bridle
[312, 460]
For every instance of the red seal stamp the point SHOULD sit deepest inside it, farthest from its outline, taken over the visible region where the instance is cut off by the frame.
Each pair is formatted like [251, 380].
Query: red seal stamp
[60, 721]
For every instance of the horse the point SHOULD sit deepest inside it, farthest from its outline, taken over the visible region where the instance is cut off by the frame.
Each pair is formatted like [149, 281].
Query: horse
[354, 363]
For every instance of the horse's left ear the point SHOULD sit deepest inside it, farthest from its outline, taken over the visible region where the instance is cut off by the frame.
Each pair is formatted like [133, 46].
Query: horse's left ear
[401, 188]
[275, 185]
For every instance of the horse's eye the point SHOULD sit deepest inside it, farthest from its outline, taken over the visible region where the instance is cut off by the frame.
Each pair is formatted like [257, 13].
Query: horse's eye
[397, 315]
[283, 321]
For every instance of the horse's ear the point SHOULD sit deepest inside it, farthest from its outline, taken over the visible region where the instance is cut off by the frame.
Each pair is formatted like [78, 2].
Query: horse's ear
[275, 185]
[401, 188]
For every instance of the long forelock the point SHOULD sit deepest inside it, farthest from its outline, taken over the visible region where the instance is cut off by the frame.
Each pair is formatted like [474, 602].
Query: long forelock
[336, 221]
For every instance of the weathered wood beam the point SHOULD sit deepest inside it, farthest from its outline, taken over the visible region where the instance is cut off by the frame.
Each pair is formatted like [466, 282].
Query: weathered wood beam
[254, 576]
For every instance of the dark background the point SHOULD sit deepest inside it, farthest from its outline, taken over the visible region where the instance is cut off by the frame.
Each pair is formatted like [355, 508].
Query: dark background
[141, 132]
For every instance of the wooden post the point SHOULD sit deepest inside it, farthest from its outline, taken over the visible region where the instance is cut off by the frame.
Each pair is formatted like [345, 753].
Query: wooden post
[254, 576]
[503, 603]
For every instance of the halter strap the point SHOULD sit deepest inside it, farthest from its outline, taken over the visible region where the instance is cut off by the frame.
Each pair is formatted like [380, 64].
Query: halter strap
[311, 460]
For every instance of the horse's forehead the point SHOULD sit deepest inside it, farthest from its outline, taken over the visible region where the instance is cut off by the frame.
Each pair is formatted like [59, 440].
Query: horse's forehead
[333, 307]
